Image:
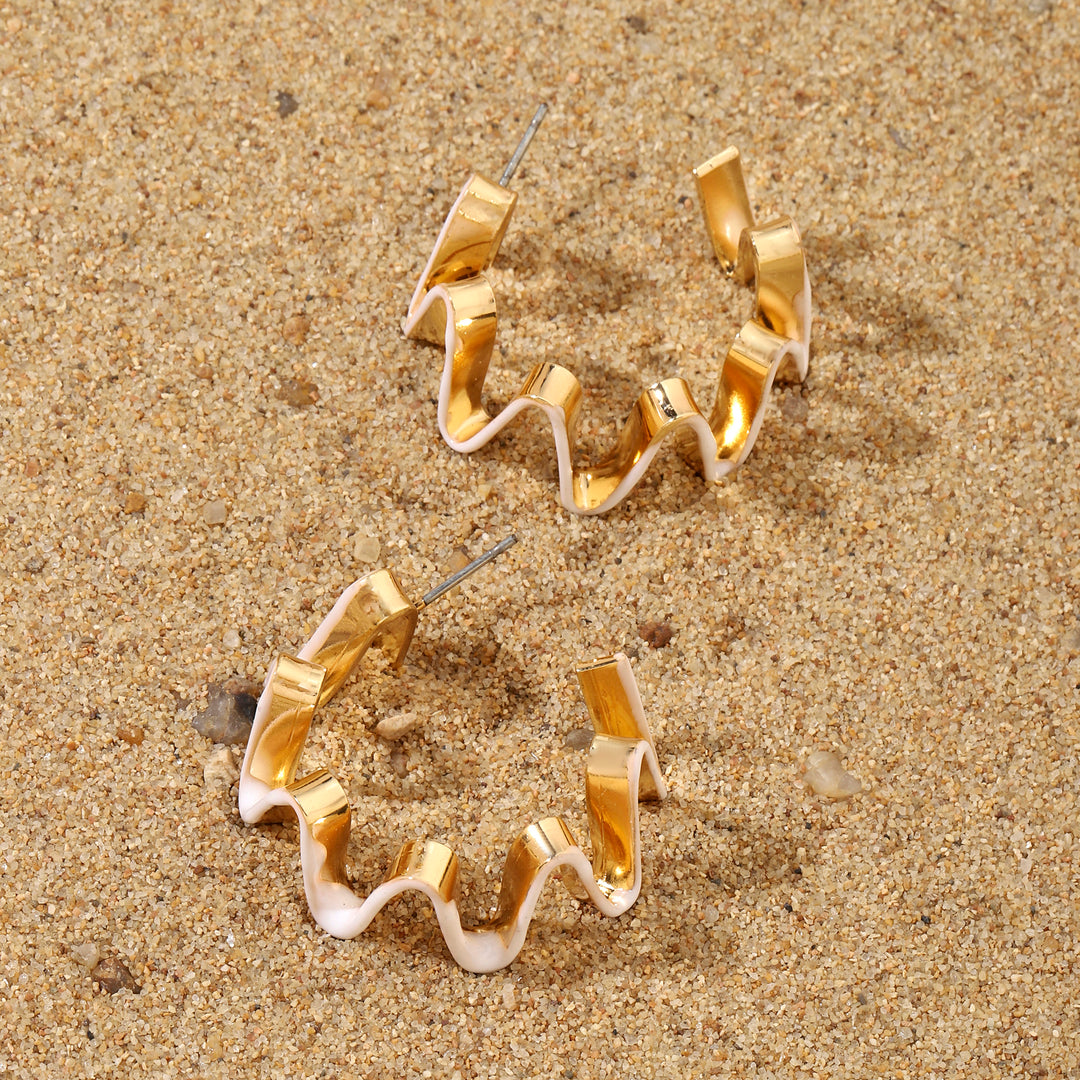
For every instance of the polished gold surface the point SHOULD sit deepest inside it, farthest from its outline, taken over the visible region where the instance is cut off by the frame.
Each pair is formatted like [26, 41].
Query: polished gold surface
[621, 768]
[454, 305]
[293, 686]
[726, 205]
[472, 234]
[375, 613]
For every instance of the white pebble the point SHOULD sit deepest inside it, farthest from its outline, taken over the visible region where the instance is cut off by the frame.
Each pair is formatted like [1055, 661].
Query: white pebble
[220, 770]
[826, 776]
[231, 639]
[366, 549]
[87, 954]
[214, 513]
[395, 726]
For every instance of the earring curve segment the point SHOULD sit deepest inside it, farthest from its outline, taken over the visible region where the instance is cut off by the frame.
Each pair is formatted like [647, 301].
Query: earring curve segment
[454, 305]
[622, 767]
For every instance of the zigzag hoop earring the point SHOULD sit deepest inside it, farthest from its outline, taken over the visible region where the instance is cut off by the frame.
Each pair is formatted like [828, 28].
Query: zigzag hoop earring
[622, 767]
[454, 305]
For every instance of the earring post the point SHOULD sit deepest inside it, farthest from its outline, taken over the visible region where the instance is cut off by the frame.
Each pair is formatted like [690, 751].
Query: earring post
[466, 571]
[519, 153]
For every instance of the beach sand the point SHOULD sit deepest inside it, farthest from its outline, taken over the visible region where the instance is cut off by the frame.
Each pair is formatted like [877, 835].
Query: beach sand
[213, 219]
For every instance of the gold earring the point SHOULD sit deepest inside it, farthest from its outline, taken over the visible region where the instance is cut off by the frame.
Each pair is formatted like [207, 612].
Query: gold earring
[622, 767]
[454, 305]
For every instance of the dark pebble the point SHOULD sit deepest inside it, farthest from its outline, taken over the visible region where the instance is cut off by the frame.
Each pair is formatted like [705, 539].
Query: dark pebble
[114, 976]
[286, 103]
[298, 392]
[228, 713]
[656, 634]
[579, 739]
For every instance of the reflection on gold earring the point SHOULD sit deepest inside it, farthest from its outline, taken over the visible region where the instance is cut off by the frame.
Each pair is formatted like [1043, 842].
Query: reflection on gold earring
[454, 306]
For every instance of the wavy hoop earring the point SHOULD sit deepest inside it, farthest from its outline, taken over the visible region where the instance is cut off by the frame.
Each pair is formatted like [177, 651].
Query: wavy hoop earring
[454, 305]
[622, 767]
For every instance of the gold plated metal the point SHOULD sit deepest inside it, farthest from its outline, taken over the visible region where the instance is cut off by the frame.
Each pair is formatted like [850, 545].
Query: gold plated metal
[454, 306]
[622, 767]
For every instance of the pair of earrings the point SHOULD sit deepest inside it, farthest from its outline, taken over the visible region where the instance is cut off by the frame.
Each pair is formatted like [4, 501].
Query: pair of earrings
[454, 305]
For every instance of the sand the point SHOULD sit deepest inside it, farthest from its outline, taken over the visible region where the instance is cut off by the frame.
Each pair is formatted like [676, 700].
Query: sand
[213, 218]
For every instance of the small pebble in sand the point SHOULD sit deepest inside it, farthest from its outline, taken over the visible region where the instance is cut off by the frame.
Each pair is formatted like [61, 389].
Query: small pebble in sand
[794, 407]
[214, 513]
[228, 713]
[87, 954]
[399, 762]
[382, 87]
[579, 739]
[132, 734]
[396, 726]
[286, 103]
[135, 502]
[114, 976]
[459, 559]
[231, 639]
[220, 770]
[296, 329]
[298, 392]
[826, 776]
[656, 634]
[366, 549]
